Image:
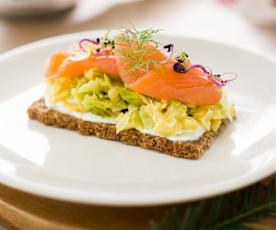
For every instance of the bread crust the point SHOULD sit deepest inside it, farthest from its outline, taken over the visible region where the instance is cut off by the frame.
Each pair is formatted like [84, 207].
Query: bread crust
[188, 149]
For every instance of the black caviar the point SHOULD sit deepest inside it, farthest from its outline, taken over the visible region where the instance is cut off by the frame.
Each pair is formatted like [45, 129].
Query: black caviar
[179, 68]
[124, 110]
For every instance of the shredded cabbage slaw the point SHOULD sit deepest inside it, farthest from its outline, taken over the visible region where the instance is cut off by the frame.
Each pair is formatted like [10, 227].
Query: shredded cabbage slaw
[97, 93]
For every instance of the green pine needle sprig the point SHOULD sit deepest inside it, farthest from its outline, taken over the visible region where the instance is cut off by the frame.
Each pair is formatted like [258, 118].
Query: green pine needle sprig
[231, 211]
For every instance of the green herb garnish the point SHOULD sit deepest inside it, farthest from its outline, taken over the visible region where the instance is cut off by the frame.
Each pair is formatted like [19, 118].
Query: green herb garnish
[139, 46]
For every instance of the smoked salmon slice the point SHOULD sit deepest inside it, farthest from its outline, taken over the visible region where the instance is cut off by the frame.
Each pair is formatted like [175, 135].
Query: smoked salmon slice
[54, 62]
[191, 87]
[61, 64]
[160, 80]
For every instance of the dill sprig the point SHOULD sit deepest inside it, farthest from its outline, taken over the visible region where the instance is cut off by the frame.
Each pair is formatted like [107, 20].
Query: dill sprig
[138, 49]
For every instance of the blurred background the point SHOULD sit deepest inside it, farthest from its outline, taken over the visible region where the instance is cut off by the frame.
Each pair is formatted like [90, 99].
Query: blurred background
[246, 23]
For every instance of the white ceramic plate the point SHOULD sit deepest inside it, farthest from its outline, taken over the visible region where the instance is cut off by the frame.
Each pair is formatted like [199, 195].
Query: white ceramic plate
[62, 164]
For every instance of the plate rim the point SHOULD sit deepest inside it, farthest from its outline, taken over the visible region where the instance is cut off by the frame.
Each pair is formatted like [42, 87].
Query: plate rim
[76, 196]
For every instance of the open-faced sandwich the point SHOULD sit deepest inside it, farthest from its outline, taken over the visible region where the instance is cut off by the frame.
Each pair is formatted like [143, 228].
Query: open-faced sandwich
[132, 89]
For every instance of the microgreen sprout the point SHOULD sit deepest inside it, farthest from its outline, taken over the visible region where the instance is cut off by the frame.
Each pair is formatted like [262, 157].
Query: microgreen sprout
[170, 50]
[198, 66]
[182, 57]
[87, 40]
[218, 79]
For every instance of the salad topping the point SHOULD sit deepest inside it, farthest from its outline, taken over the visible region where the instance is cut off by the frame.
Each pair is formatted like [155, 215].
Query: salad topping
[143, 65]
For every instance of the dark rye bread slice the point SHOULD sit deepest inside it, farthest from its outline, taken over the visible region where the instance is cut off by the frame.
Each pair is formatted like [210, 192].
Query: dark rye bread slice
[189, 149]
